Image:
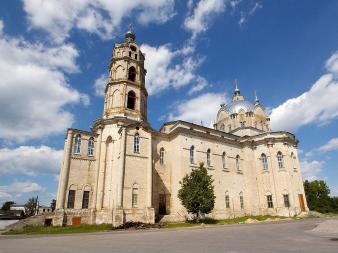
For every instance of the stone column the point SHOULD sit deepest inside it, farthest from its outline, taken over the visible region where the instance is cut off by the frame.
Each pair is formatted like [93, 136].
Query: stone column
[150, 173]
[63, 181]
[121, 169]
[101, 176]
[97, 167]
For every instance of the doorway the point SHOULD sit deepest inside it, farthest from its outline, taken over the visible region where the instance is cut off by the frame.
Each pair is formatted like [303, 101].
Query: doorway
[301, 202]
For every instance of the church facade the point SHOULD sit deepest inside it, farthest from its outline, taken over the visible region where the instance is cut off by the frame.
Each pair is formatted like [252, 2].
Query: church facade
[124, 170]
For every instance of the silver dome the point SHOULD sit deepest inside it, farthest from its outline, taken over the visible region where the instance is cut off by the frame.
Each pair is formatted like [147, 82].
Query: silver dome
[236, 106]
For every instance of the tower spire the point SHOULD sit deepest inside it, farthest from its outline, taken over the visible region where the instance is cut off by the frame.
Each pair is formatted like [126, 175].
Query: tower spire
[256, 98]
[237, 91]
[130, 34]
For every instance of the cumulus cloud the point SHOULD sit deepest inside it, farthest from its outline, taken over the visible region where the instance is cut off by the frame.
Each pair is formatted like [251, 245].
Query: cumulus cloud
[201, 17]
[100, 84]
[195, 109]
[311, 169]
[100, 17]
[17, 188]
[30, 161]
[34, 89]
[318, 105]
[163, 72]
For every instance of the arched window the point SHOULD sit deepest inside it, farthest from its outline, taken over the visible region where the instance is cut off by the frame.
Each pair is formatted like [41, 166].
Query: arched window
[280, 160]
[269, 200]
[241, 200]
[293, 161]
[224, 163]
[131, 100]
[237, 163]
[132, 74]
[264, 160]
[222, 127]
[77, 144]
[134, 196]
[137, 143]
[192, 154]
[209, 157]
[286, 199]
[162, 156]
[91, 146]
[227, 200]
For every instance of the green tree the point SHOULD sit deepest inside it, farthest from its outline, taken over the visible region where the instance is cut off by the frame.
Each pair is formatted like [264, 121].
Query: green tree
[30, 206]
[317, 196]
[7, 205]
[197, 192]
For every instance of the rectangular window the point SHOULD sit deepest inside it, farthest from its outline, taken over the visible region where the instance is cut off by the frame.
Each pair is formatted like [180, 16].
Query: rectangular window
[241, 200]
[269, 199]
[286, 200]
[85, 200]
[227, 201]
[71, 199]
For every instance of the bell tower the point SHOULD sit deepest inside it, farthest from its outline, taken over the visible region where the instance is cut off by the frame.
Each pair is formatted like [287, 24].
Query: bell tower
[125, 94]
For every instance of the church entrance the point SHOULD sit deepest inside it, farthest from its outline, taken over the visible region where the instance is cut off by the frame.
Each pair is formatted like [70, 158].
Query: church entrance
[301, 202]
[162, 205]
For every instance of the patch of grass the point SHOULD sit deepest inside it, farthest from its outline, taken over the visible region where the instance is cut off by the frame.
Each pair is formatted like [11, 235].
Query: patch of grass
[210, 221]
[180, 225]
[30, 230]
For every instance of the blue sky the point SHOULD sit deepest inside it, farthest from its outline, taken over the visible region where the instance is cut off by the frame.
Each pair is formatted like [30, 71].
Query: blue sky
[54, 58]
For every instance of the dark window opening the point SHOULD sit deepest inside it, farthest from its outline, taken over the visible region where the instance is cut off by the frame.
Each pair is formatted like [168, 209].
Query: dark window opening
[129, 54]
[133, 48]
[48, 222]
[132, 74]
[71, 199]
[131, 100]
[85, 200]
[135, 56]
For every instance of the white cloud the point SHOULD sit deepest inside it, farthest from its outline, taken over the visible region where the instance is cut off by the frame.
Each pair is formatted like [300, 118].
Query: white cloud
[34, 89]
[1, 26]
[100, 85]
[202, 15]
[311, 169]
[101, 17]
[17, 188]
[332, 63]
[163, 73]
[245, 15]
[319, 105]
[331, 145]
[30, 161]
[201, 83]
[196, 111]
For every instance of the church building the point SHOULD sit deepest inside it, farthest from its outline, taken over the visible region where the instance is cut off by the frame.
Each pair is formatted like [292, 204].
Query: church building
[124, 170]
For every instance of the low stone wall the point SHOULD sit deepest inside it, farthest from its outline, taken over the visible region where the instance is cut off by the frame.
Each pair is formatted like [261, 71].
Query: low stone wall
[37, 220]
